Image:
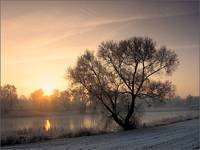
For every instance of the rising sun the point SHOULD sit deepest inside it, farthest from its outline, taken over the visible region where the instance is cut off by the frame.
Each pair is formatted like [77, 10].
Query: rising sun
[47, 86]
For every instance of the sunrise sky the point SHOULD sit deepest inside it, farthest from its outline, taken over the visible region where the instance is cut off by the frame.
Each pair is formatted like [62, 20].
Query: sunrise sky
[41, 39]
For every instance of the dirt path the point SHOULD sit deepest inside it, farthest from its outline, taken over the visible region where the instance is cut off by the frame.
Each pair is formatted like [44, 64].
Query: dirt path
[178, 136]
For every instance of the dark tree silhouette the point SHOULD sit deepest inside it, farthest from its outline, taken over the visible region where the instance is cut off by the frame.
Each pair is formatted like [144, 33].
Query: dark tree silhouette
[64, 100]
[80, 98]
[37, 98]
[8, 97]
[123, 72]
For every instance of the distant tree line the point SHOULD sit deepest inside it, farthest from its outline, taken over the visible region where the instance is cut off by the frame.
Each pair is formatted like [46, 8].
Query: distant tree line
[58, 101]
[72, 100]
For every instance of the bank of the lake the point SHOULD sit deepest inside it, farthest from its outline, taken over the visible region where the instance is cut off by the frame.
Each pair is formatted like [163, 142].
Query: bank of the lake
[176, 136]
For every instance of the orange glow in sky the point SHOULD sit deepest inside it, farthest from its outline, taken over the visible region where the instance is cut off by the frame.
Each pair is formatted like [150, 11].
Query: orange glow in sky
[47, 86]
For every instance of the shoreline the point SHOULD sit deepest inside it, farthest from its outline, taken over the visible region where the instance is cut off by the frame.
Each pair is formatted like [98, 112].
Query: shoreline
[15, 140]
[166, 136]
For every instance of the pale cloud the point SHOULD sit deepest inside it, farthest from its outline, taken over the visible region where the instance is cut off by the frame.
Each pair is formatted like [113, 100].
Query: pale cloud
[40, 29]
[132, 18]
[36, 60]
[90, 25]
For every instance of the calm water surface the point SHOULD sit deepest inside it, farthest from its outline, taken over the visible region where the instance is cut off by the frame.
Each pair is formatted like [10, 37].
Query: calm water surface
[74, 122]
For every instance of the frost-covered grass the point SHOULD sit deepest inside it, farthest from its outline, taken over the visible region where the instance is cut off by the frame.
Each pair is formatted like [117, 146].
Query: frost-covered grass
[169, 121]
[24, 136]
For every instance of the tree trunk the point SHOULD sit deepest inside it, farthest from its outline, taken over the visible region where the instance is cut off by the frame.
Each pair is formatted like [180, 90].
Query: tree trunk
[117, 120]
[129, 126]
[131, 111]
[126, 124]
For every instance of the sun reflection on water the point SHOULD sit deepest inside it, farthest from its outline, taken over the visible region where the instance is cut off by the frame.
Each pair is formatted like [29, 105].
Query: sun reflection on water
[47, 125]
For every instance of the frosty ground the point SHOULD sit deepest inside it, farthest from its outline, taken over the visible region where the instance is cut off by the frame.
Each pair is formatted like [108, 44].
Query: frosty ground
[177, 136]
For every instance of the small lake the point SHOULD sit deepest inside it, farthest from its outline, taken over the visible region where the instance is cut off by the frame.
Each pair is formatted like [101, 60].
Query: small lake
[74, 121]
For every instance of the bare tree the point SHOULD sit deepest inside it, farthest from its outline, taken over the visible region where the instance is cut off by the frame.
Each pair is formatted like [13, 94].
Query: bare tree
[8, 97]
[123, 72]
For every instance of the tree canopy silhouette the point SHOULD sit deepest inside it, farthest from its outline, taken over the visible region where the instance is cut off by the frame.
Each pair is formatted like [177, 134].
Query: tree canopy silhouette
[122, 72]
[8, 97]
